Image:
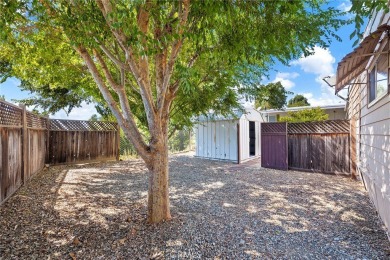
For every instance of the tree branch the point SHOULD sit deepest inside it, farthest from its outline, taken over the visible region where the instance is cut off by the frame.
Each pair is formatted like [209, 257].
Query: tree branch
[145, 89]
[110, 55]
[143, 24]
[184, 8]
[128, 123]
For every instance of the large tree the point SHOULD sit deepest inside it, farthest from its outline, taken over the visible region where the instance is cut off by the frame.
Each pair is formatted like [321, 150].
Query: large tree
[155, 64]
[270, 96]
[298, 101]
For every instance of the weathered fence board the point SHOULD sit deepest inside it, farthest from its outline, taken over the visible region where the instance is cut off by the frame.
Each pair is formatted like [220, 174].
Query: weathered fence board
[319, 152]
[11, 161]
[312, 146]
[36, 151]
[88, 144]
[319, 146]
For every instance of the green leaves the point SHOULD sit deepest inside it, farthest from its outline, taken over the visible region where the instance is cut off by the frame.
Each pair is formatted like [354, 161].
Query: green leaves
[362, 10]
[234, 44]
[270, 96]
[305, 115]
[298, 101]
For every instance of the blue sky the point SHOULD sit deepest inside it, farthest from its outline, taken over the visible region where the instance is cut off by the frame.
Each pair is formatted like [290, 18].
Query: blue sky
[303, 76]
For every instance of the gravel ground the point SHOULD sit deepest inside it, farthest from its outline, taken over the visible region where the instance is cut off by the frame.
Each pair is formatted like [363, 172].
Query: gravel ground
[219, 210]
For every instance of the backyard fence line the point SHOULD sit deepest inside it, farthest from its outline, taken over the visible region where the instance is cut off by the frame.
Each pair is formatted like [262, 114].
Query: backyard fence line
[311, 146]
[29, 141]
[319, 146]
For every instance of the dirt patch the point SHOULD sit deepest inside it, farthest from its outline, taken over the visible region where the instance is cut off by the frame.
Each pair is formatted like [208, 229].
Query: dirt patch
[98, 211]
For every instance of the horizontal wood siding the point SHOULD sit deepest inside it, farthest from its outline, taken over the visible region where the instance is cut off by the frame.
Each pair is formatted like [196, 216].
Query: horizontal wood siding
[375, 152]
[81, 146]
[372, 142]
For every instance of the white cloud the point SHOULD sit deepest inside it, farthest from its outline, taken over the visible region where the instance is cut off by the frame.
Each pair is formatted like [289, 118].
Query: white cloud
[79, 113]
[320, 63]
[307, 95]
[285, 79]
[345, 6]
[287, 75]
[326, 98]
[286, 83]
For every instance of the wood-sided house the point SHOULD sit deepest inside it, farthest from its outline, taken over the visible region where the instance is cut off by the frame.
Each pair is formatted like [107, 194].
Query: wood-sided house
[365, 73]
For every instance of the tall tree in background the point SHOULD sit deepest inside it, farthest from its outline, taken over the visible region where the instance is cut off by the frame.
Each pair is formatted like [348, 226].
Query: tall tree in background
[271, 96]
[155, 64]
[298, 101]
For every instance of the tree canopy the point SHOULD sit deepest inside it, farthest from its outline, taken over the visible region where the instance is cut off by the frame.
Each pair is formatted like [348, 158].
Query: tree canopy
[298, 101]
[271, 96]
[305, 115]
[156, 64]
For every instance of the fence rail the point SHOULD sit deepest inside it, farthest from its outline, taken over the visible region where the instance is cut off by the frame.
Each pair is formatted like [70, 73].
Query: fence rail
[28, 141]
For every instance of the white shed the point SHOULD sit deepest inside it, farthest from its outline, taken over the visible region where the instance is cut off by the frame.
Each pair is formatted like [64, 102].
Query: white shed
[235, 138]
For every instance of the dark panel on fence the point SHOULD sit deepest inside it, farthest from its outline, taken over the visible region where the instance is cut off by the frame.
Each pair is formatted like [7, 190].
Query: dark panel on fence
[274, 145]
[319, 146]
[81, 146]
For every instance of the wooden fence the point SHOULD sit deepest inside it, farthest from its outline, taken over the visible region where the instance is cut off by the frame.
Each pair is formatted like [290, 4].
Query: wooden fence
[319, 146]
[73, 141]
[311, 146]
[11, 164]
[28, 141]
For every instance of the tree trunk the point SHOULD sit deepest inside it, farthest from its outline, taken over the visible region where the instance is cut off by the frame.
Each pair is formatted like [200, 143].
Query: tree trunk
[158, 193]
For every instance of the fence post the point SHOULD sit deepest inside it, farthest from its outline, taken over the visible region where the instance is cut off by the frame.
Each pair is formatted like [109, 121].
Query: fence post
[47, 156]
[287, 146]
[118, 136]
[25, 147]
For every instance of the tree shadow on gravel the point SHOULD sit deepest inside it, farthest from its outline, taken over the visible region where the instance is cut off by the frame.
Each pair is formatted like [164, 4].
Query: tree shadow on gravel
[99, 211]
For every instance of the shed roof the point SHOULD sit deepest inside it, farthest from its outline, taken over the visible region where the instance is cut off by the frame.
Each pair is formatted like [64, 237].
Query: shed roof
[290, 109]
[236, 114]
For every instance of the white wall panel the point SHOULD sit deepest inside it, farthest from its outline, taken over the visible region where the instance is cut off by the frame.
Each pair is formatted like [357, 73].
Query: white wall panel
[208, 138]
[244, 139]
[233, 141]
[196, 140]
[213, 127]
[227, 138]
[217, 140]
[258, 139]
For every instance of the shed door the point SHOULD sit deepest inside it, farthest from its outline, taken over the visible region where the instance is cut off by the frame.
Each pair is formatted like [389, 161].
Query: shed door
[274, 146]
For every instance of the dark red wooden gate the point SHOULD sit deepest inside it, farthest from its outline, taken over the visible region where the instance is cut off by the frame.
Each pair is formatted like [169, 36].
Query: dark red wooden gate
[274, 146]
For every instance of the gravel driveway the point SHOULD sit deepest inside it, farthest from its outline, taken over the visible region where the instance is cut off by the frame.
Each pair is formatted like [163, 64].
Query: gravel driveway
[219, 210]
